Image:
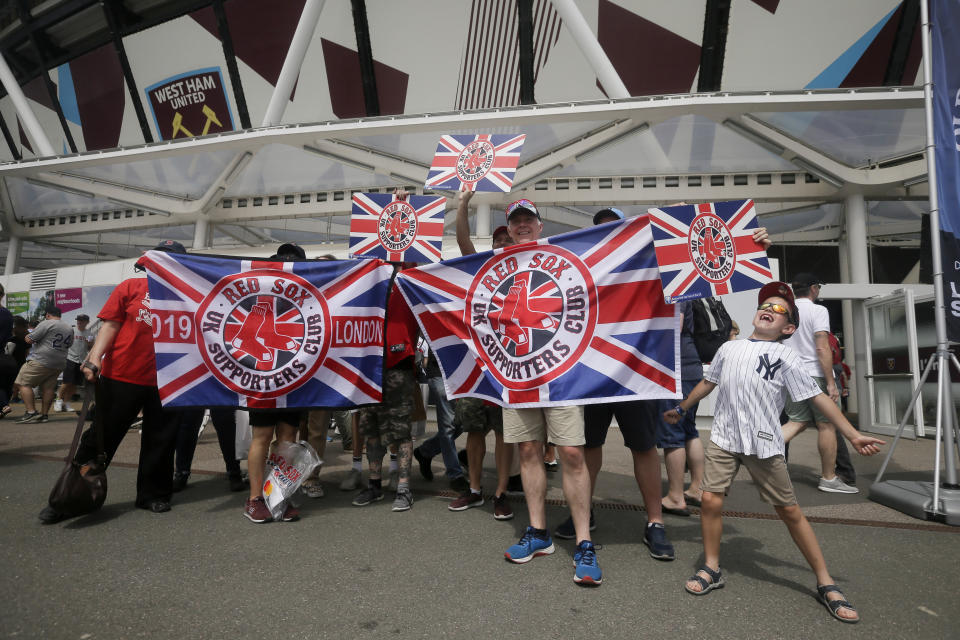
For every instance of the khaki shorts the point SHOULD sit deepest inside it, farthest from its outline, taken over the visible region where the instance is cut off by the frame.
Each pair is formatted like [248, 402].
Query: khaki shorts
[769, 474]
[560, 425]
[34, 374]
[804, 411]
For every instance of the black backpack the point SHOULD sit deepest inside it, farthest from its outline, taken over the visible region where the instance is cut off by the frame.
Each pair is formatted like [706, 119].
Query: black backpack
[711, 327]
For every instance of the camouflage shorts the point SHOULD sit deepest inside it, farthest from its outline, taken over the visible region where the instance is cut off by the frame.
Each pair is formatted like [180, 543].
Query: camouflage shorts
[474, 415]
[390, 420]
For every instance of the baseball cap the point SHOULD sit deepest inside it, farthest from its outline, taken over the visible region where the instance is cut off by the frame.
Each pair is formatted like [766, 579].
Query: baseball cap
[499, 230]
[290, 250]
[523, 205]
[606, 213]
[781, 290]
[171, 246]
[806, 280]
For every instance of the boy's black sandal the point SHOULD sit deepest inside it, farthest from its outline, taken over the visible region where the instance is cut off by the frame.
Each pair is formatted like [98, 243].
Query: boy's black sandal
[716, 581]
[833, 605]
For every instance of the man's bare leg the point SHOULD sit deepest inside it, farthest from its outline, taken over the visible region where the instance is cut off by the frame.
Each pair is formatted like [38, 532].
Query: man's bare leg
[534, 478]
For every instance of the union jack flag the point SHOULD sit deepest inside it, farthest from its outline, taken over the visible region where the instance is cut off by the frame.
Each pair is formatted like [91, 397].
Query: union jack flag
[485, 162]
[240, 332]
[577, 318]
[708, 250]
[397, 230]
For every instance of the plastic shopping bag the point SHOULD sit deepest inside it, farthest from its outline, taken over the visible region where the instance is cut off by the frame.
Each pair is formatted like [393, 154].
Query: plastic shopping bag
[288, 464]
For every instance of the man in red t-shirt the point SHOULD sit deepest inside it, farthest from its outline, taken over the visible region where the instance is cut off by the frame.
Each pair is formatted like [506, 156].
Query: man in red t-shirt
[122, 363]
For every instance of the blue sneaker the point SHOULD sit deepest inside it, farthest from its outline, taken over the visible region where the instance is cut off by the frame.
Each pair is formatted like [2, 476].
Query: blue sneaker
[529, 547]
[655, 537]
[585, 559]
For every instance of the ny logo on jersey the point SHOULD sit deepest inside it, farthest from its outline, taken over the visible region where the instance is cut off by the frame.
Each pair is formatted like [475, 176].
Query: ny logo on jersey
[768, 369]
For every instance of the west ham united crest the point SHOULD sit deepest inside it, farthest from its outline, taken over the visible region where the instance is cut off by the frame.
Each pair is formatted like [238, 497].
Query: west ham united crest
[264, 332]
[711, 247]
[531, 313]
[475, 161]
[397, 227]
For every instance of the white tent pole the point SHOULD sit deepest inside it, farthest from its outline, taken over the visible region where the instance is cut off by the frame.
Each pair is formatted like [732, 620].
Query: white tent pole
[294, 60]
[34, 130]
[582, 34]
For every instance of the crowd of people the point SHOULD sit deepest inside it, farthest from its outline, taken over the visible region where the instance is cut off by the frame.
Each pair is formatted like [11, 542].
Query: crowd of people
[789, 337]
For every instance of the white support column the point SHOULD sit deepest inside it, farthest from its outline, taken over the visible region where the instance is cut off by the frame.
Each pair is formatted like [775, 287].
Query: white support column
[855, 213]
[483, 220]
[582, 34]
[13, 256]
[292, 63]
[201, 233]
[849, 351]
[34, 130]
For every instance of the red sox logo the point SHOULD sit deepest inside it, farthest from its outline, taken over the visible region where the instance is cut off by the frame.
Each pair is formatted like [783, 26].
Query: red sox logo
[263, 333]
[711, 247]
[397, 226]
[532, 313]
[475, 161]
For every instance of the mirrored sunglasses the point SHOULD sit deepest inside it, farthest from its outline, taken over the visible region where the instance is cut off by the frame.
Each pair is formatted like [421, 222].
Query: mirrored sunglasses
[775, 307]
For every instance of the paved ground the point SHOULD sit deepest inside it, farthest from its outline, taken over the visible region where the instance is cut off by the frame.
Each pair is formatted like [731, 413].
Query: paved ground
[203, 571]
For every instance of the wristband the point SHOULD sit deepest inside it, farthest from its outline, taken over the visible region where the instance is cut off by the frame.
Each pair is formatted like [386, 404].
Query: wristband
[89, 365]
[680, 410]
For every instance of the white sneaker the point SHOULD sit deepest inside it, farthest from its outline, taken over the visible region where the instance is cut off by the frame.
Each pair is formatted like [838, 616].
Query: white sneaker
[836, 485]
[58, 405]
[67, 407]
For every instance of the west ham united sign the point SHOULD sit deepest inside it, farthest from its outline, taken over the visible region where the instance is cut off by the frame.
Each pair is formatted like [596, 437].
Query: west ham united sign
[190, 104]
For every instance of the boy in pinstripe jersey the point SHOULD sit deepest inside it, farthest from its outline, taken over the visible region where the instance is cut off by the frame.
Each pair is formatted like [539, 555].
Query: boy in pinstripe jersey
[753, 376]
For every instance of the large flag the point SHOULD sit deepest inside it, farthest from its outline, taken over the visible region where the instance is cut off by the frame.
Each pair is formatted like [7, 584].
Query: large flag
[485, 162]
[236, 332]
[945, 50]
[397, 230]
[574, 319]
[708, 250]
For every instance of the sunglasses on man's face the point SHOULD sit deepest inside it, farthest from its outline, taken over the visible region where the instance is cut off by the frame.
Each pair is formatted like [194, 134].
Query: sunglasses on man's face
[775, 307]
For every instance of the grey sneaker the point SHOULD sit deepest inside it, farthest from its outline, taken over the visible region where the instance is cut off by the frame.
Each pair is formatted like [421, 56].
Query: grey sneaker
[352, 482]
[29, 416]
[403, 501]
[836, 485]
[368, 495]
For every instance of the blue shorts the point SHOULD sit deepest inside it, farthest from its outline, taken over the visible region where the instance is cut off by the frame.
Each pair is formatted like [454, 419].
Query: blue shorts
[675, 436]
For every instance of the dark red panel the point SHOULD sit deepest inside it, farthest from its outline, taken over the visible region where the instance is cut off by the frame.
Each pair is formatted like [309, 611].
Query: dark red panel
[651, 60]
[346, 89]
[207, 19]
[769, 5]
[871, 68]
[261, 32]
[36, 90]
[98, 81]
[914, 58]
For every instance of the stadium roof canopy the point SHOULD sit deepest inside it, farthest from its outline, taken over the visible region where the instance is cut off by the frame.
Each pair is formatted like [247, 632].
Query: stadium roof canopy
[796, 154]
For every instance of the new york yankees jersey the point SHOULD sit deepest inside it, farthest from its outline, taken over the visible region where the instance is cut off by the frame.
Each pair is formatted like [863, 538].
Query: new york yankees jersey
[753, 378]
